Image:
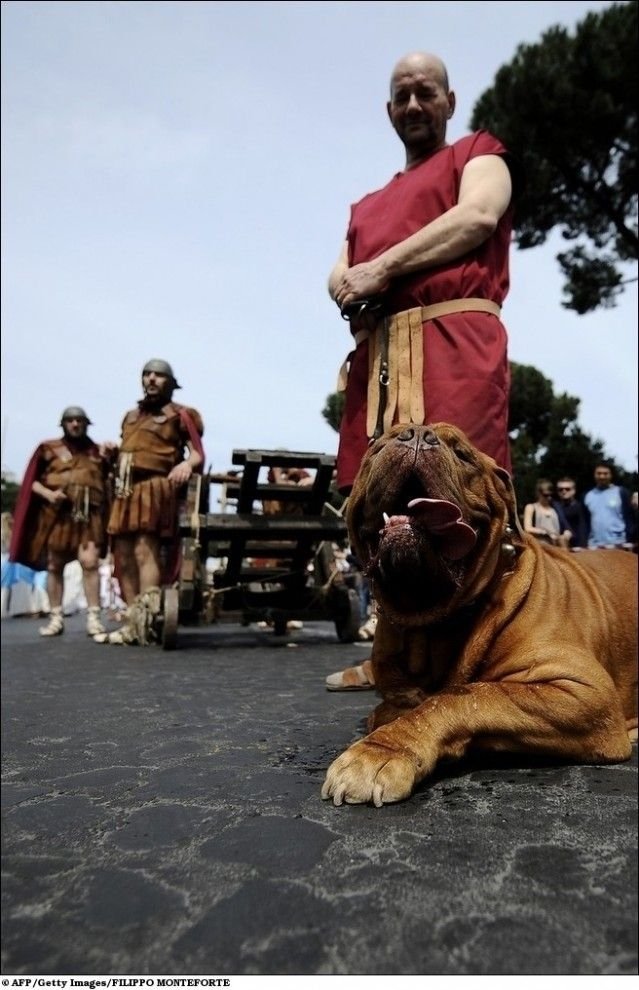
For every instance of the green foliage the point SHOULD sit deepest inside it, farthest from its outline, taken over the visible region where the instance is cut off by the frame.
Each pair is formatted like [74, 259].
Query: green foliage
[566, 108]
[530, 404]
[546, 439]
[334, 409]
[10, 491]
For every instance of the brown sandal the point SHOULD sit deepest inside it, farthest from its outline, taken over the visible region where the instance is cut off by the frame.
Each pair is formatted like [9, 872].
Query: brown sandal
[359, 678]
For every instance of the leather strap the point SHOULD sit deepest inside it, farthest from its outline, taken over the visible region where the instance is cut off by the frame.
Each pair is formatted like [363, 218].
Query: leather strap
[395, 362]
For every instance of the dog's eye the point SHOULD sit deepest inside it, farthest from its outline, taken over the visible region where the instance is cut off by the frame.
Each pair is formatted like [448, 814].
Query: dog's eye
[464, 455]
[374, 447]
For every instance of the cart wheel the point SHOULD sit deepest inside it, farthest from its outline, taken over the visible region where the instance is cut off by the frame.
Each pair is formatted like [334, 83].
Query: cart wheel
[280, 625]
[349, 619]
[170, 623]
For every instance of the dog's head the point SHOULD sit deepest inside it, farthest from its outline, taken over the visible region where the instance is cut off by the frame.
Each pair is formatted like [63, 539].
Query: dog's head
[429, 516]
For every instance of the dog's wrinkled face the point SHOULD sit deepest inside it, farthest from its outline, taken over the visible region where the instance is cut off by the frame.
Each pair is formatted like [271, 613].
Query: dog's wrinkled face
[426, 516]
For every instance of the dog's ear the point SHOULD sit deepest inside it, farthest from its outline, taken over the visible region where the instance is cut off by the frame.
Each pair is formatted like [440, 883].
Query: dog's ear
[513, 517]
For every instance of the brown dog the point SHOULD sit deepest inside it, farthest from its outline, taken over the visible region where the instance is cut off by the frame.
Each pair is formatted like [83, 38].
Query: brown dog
[486, 638]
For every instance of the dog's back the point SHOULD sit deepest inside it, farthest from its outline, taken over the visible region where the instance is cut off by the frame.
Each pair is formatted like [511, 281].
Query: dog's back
[615, 574]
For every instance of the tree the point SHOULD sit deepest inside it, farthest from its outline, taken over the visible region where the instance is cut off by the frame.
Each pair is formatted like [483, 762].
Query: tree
[566, 108]
[546, 439]
[334, 409]
[10, 490]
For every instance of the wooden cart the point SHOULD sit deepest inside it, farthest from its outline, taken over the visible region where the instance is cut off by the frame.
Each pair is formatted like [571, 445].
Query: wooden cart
[272, 566]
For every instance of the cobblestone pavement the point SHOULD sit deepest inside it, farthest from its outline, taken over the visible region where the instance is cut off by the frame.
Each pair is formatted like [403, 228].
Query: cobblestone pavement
[162, 815]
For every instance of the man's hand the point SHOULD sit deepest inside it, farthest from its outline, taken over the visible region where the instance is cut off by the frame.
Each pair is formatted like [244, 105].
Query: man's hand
[180, 474]
[57, 496]
[108, 449]
[359, 282]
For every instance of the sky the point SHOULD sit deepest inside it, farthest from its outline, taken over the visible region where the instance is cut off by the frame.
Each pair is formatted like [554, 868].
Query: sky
[176, 183]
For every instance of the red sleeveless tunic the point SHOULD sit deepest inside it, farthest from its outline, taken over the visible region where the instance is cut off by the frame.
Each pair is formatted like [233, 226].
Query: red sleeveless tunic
[466, 376]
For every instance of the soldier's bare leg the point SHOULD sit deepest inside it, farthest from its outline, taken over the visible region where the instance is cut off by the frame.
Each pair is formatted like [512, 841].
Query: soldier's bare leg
[55, 588]
[126, 567]
[147, 556]
[90, 560]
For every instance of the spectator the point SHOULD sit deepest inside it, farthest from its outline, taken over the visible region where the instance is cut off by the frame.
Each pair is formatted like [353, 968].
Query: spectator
[6, 529]
[609, 512]
[543, 521]
[110, 598]
[23, 589]
[286, 476]
[369, 619]
[573, 513]
[271, 507]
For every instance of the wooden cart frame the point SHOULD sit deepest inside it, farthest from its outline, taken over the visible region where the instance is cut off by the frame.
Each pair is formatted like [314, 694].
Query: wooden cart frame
[273, 567]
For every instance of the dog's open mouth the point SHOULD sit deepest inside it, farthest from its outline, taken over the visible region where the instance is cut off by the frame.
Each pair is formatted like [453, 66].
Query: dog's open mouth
[439, 519]
[418, 560]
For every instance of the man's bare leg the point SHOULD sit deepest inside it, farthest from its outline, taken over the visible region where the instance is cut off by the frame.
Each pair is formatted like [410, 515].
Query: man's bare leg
[90, 560]
[127, 567]
[55, 588]
[127, 571]
[139, 571]
[147, 557]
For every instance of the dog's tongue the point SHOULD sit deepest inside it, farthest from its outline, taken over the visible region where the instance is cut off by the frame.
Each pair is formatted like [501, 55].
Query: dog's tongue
[444, 520]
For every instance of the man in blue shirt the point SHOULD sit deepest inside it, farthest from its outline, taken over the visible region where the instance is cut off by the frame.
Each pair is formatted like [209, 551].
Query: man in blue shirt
[610, 520]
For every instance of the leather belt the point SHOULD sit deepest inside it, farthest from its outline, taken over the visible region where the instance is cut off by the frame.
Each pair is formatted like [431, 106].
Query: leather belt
[395, 362]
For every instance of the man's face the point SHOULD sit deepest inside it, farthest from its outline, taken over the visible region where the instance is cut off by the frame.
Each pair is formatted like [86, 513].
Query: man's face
[566, 490]
[419, 107]
[156, 385]
[603, 477]
[75, 427]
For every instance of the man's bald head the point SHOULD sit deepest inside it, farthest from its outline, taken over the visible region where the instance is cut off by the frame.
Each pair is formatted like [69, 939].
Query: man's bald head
[420, 105]
[422, 62]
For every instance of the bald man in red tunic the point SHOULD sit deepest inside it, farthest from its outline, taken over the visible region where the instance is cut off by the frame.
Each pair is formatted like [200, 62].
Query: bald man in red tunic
[422, 276]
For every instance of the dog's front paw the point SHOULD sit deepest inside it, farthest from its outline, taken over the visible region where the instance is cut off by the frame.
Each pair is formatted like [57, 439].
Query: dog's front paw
[368, 772]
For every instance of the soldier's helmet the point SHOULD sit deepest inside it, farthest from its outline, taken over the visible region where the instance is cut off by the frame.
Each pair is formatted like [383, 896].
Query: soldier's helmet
[162, 368]
[74, 412]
